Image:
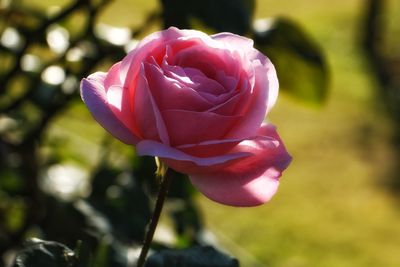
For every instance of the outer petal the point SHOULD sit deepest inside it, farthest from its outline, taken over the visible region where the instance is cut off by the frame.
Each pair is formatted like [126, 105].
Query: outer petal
[117, 99]
[184, 162]
[94, 96]
[210, 148]
[113, 77]
[233, 41]
[146, 113]
[239, 44]
[273, 83]
[266, 81]
[251, 181]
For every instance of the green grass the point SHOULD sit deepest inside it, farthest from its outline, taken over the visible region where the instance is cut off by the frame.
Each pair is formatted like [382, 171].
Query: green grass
[332, 209]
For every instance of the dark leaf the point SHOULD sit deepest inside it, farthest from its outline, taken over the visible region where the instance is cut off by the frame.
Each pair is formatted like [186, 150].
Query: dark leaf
[187, 222]
[192, 257]
[175, 13]
[184, 212]
[300, 64]
[39, 253]
[181, 186]
[64, 222]
[220, 15]
[108, 253]
[224, 15]
[121, 199]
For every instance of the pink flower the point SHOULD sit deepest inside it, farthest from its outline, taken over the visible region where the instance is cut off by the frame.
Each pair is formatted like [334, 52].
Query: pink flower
[198, 103]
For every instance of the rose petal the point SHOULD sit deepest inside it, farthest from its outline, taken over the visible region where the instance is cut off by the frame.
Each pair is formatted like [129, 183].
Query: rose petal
[245, 46]
[181, 75]
[273, 83]
[212, 59]
[234, 42]
[220, 99]
[130, 63]
[148, 45]
[236, 101]
[113, 76]
[170, 94]
[183, 162]
[94, 96]
[227, 108]
[208, 85]
[146, 114]
[210, 148]
[188, 127]
[252, 180]
[240, 191]
[229, 82]
[265, 82]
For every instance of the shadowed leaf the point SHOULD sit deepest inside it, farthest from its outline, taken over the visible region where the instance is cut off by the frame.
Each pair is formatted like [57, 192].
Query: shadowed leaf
[300, 64]
[192, 257]
[220, 15]
[39, 253]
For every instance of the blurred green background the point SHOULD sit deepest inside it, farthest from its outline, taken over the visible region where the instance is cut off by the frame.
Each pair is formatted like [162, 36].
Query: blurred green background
[333, 207]
[337, 205]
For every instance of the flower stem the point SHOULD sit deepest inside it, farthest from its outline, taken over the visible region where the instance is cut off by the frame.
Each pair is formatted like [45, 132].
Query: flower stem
[162, 193]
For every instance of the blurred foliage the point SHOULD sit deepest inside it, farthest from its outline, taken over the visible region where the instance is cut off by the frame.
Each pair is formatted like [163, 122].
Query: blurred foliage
[222, 15]
[385, 67]
[301, 67]
[102, 211]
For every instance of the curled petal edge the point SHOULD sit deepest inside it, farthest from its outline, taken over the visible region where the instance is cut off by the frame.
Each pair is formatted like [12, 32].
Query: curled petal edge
[248, 182]
[183, 162]
[95, 98]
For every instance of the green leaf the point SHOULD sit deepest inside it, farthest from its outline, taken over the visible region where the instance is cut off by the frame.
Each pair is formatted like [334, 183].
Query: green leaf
[299, 61]
[205, 256]
[40, 253]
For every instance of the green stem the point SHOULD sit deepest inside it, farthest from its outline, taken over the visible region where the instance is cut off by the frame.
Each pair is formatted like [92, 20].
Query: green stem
[165, 183]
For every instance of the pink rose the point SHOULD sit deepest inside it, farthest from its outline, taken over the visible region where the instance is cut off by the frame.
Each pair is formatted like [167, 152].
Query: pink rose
[198, 103]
